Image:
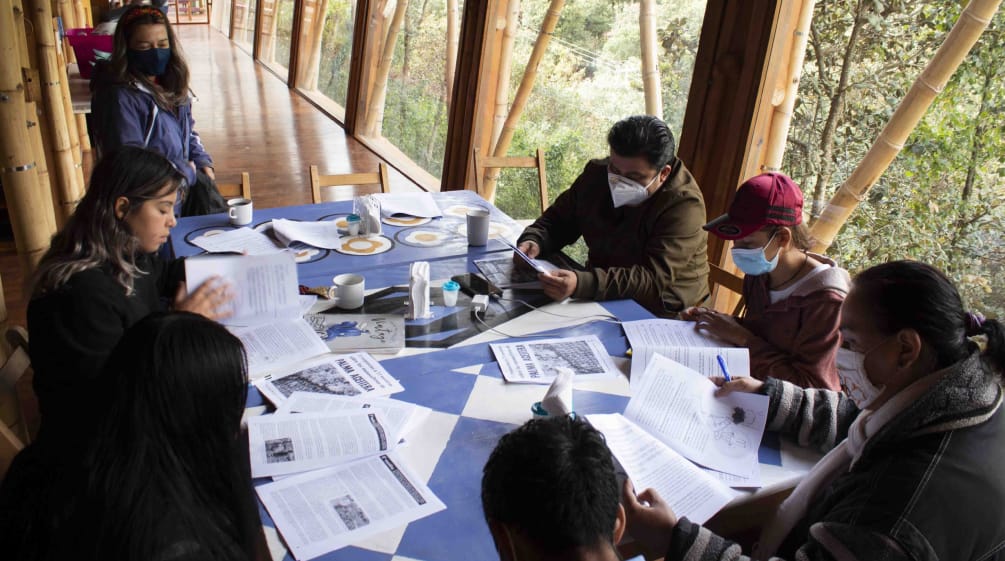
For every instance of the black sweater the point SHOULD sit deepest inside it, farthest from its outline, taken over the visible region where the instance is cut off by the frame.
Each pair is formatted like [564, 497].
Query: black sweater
[72, 331]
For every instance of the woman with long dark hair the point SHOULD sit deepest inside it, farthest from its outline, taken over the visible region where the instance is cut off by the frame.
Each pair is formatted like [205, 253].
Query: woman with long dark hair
[166, 476]
[100, 276]
[916, 443]
[141, 98]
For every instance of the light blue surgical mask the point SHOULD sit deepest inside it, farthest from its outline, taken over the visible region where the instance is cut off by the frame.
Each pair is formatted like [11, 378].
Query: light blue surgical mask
[753, 261]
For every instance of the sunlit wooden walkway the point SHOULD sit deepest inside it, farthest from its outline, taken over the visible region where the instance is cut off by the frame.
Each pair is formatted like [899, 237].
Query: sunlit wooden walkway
[249, 121]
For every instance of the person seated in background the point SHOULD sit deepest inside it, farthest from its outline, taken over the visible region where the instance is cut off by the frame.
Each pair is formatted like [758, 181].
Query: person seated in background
[549, 491]
[916, 443]
[164, 475]
[793, 298]
[640, 213]
[141, 98]
[101, 275]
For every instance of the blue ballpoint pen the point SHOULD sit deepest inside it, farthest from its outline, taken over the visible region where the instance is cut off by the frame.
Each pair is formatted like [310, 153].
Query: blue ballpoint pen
[722, 365]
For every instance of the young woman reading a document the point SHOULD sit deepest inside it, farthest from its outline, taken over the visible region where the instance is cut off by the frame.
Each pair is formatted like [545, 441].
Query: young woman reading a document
[916, 444]
[100, 276]
[167, 476]
[793, 297]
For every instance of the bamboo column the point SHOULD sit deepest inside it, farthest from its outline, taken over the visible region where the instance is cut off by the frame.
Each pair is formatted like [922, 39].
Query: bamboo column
[375, 110]
[781, 119]
[79, 15]
[312, 42]
[27, 202]
[34, 120]
[63, 167]
[76, 146]
[505, 72]
[968, 29]
[453, 36]
[43, 151]
[526, 85]
[650, 66]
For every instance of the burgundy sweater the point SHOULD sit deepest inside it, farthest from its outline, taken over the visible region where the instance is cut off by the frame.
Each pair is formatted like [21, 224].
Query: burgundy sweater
[796, 339]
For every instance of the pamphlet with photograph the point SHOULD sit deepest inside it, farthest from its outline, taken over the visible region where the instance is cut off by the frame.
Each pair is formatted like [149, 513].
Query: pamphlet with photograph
[351, 375]
[537, 362]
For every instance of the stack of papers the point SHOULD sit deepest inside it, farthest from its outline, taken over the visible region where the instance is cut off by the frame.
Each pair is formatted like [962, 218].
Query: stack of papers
[680, 341]
[676, 405]
[420, 205]
[241, 240]
[331, 452]
[377, 333]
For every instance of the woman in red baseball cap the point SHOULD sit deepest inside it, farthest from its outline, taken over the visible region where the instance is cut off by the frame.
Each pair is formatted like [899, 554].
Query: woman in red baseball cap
[793, 297]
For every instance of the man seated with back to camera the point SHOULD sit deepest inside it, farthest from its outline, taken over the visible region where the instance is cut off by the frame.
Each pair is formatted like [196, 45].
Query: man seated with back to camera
[641, 214]
[549, 491]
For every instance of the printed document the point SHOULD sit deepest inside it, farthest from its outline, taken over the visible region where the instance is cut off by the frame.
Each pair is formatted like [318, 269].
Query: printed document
[677, 405]
[322, 234]
[324, 510]
[678, 340]
[537, 362]
[688, 489]
[264, 286]
[271, 346]
[402, 417]
[352, 375]
[283, 444]
[420, 205]
[240, 240]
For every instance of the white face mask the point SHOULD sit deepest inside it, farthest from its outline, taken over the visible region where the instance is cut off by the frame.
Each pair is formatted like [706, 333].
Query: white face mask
[624, 191]
[854, 380]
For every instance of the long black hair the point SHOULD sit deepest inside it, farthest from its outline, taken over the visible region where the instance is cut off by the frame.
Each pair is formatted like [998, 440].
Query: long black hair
[167, 467]
[93, 236]
[912, 295]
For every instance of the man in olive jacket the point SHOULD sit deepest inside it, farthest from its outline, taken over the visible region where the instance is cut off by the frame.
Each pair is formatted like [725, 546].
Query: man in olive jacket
[641, 214]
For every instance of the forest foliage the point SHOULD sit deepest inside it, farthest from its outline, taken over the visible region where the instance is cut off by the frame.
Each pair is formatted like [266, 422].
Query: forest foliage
[942, 201]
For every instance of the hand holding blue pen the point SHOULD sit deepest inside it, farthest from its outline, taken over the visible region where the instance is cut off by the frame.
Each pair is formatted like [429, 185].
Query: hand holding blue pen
[722, 365]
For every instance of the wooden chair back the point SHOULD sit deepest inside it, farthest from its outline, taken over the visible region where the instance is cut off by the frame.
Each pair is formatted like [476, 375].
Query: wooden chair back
[352, 184]
[721, 278]
[236, 190]
[14, 433]
[493, 162]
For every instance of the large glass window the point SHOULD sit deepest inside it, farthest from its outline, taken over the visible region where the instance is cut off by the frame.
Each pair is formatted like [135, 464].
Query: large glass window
[276, 34]
[325, 47]
[188, 11]
[413, 116]
[244, 23]
[589, 78]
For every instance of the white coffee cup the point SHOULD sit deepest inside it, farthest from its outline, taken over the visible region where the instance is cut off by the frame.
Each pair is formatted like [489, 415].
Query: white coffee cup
[347, 291]
[240, 211]
[478, 227]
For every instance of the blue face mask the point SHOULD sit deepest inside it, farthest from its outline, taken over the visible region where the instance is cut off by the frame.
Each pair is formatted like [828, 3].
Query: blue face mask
[149, 62]
[753, 261]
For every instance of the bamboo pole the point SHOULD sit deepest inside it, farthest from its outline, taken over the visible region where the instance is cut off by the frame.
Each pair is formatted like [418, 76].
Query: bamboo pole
[79, 15]
[968, 29]
[34, 118]
[63, 167]
[71, 124]
[27, 203]
[375, 111]
[526, 85]
[453, 36]
[20, 34]
[650, 66]
[308, 79]
[781, 119]
[43, 152]
[505, 72]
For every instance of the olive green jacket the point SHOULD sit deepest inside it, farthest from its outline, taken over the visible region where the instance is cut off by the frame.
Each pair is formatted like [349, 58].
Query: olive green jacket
[654, 253]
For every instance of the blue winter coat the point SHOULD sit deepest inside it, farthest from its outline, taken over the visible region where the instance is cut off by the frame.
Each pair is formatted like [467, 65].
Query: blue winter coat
[128, 115]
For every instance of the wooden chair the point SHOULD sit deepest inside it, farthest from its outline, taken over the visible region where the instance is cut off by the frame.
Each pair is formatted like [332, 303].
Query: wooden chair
[353, 184]
[235, 190]
[14, 433]
[492, 162]
[721, 278]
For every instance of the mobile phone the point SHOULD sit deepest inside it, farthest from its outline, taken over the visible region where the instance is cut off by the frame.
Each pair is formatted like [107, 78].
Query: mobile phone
[473, 284]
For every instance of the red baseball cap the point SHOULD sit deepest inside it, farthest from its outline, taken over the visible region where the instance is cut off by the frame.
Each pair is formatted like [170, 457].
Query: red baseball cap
[769, 198]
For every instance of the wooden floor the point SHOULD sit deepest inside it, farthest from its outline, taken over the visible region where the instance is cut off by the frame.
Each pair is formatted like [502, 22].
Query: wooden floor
[249, 121]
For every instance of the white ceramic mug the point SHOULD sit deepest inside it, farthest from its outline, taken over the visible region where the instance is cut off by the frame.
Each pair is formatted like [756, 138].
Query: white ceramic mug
[240, 211]
[478, 227]
[347, 291]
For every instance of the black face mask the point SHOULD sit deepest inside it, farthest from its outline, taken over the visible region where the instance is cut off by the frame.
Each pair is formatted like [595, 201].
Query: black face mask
[149, 62]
